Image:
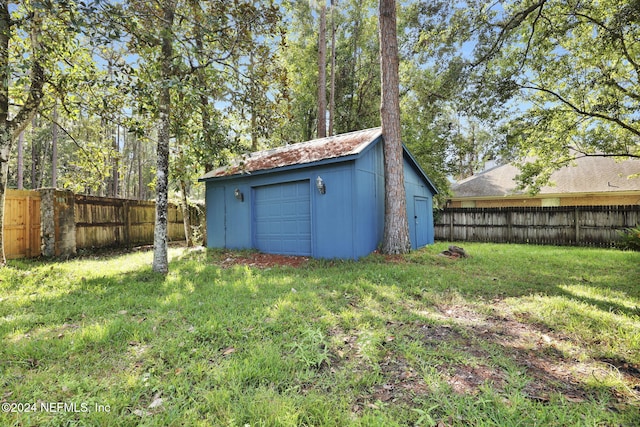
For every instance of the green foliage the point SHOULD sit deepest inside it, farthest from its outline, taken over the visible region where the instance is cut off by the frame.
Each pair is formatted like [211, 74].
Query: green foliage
[357, 68]
[311, 348]
[630, 238]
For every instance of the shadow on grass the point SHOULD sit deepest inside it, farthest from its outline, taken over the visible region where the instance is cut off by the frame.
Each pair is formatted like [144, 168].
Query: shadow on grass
[399, 336]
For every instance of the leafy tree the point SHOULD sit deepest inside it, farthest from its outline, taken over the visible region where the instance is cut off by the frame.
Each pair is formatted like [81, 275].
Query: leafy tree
[356, 72]
[358, 66]
[562, 74]
[34, 42]
[188, 55]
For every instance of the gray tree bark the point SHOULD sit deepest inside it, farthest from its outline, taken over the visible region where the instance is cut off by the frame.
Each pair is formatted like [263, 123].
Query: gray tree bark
[161, 235]
[396, 228]
[322, 72]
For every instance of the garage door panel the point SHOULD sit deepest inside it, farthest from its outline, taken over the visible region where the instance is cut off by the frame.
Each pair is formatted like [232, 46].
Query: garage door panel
[282, 218]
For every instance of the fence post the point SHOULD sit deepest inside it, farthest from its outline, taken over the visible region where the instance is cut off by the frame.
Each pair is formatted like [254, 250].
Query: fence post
[451, 225]
[126, 210]
[57, 213]
[28, 229]
[577, 223]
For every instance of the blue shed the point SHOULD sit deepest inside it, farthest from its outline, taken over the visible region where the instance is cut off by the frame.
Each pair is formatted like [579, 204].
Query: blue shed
[322, 198]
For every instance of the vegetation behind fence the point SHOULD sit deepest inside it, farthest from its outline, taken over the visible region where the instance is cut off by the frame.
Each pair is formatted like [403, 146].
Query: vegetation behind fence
[565, 225]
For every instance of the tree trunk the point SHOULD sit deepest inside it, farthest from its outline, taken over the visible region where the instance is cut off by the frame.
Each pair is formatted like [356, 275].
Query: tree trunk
[322, 72]
[128, 166]
[116, 164]
[9, 129]
[34, 156]
[355, 66]
[20, 160]
[160, 236]
[396, 229]
[186, 213]
[252, 104]
[54, 147]
[139, 160]
[332, 87]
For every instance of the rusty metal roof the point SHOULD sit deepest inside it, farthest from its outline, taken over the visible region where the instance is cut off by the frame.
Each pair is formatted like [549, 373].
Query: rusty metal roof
[298, 154]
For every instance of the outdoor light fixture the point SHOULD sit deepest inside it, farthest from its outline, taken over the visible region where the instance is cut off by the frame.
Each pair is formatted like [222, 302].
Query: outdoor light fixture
[238, 194]
[320, 185]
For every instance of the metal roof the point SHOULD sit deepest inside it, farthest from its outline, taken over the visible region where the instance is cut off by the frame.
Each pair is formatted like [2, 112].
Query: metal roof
[301, 153]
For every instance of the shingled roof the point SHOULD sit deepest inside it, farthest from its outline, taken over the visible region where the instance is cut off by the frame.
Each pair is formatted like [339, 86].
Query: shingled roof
[298, 154]
[589, 175]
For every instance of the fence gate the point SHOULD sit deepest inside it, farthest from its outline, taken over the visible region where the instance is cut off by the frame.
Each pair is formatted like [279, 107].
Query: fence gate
[21, 223]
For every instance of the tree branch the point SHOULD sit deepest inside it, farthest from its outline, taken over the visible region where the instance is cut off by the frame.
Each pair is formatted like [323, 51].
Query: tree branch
[513, 23]
[616, 35]
[580, 111]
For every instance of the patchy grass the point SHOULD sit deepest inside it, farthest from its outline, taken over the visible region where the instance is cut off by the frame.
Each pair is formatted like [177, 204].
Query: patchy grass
[513, 335]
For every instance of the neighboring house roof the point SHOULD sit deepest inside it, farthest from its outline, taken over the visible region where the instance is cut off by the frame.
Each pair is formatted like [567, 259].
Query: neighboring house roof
[332, 148]
[589, 175]
[301, 153]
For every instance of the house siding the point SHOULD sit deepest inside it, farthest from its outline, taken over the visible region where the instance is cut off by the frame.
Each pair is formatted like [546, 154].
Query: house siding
[346, 222]
[565, 200]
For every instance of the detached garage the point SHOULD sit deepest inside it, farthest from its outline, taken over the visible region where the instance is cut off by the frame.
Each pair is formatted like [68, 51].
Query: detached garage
[322, 198]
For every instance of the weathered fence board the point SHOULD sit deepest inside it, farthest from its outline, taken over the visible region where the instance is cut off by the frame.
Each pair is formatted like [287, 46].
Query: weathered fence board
[57, 222]
[574, 225]
[105, 222]
[570, 225]
[22, 224]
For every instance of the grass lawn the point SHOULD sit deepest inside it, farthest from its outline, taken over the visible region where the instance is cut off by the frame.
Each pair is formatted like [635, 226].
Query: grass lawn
[513, 335]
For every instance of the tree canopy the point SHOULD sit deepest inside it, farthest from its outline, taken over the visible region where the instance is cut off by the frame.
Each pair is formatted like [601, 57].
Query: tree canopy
[563, 75]
[538, 82]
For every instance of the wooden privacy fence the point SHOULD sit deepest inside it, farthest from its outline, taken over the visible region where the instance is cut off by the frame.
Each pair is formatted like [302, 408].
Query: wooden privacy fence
[21, 224]
[103, 222]
[53, 222]
[565, 225]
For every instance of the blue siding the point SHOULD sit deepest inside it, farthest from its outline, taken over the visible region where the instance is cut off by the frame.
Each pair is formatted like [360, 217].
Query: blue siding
[282, 211]
[333, 218]
[215, 202]
[368, 191]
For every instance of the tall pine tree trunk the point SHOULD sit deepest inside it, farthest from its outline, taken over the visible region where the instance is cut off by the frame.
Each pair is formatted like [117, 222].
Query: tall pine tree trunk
[332, 87]
[396, 228]
[160, 236]
[34, 156]
[322, 72]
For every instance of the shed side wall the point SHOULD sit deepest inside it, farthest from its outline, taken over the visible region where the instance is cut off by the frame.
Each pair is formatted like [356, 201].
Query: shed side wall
[416, 188]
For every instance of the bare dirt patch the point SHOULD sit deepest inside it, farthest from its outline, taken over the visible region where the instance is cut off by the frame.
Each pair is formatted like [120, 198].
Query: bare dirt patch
[550, 360]
[470, 350]
[261, 260]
